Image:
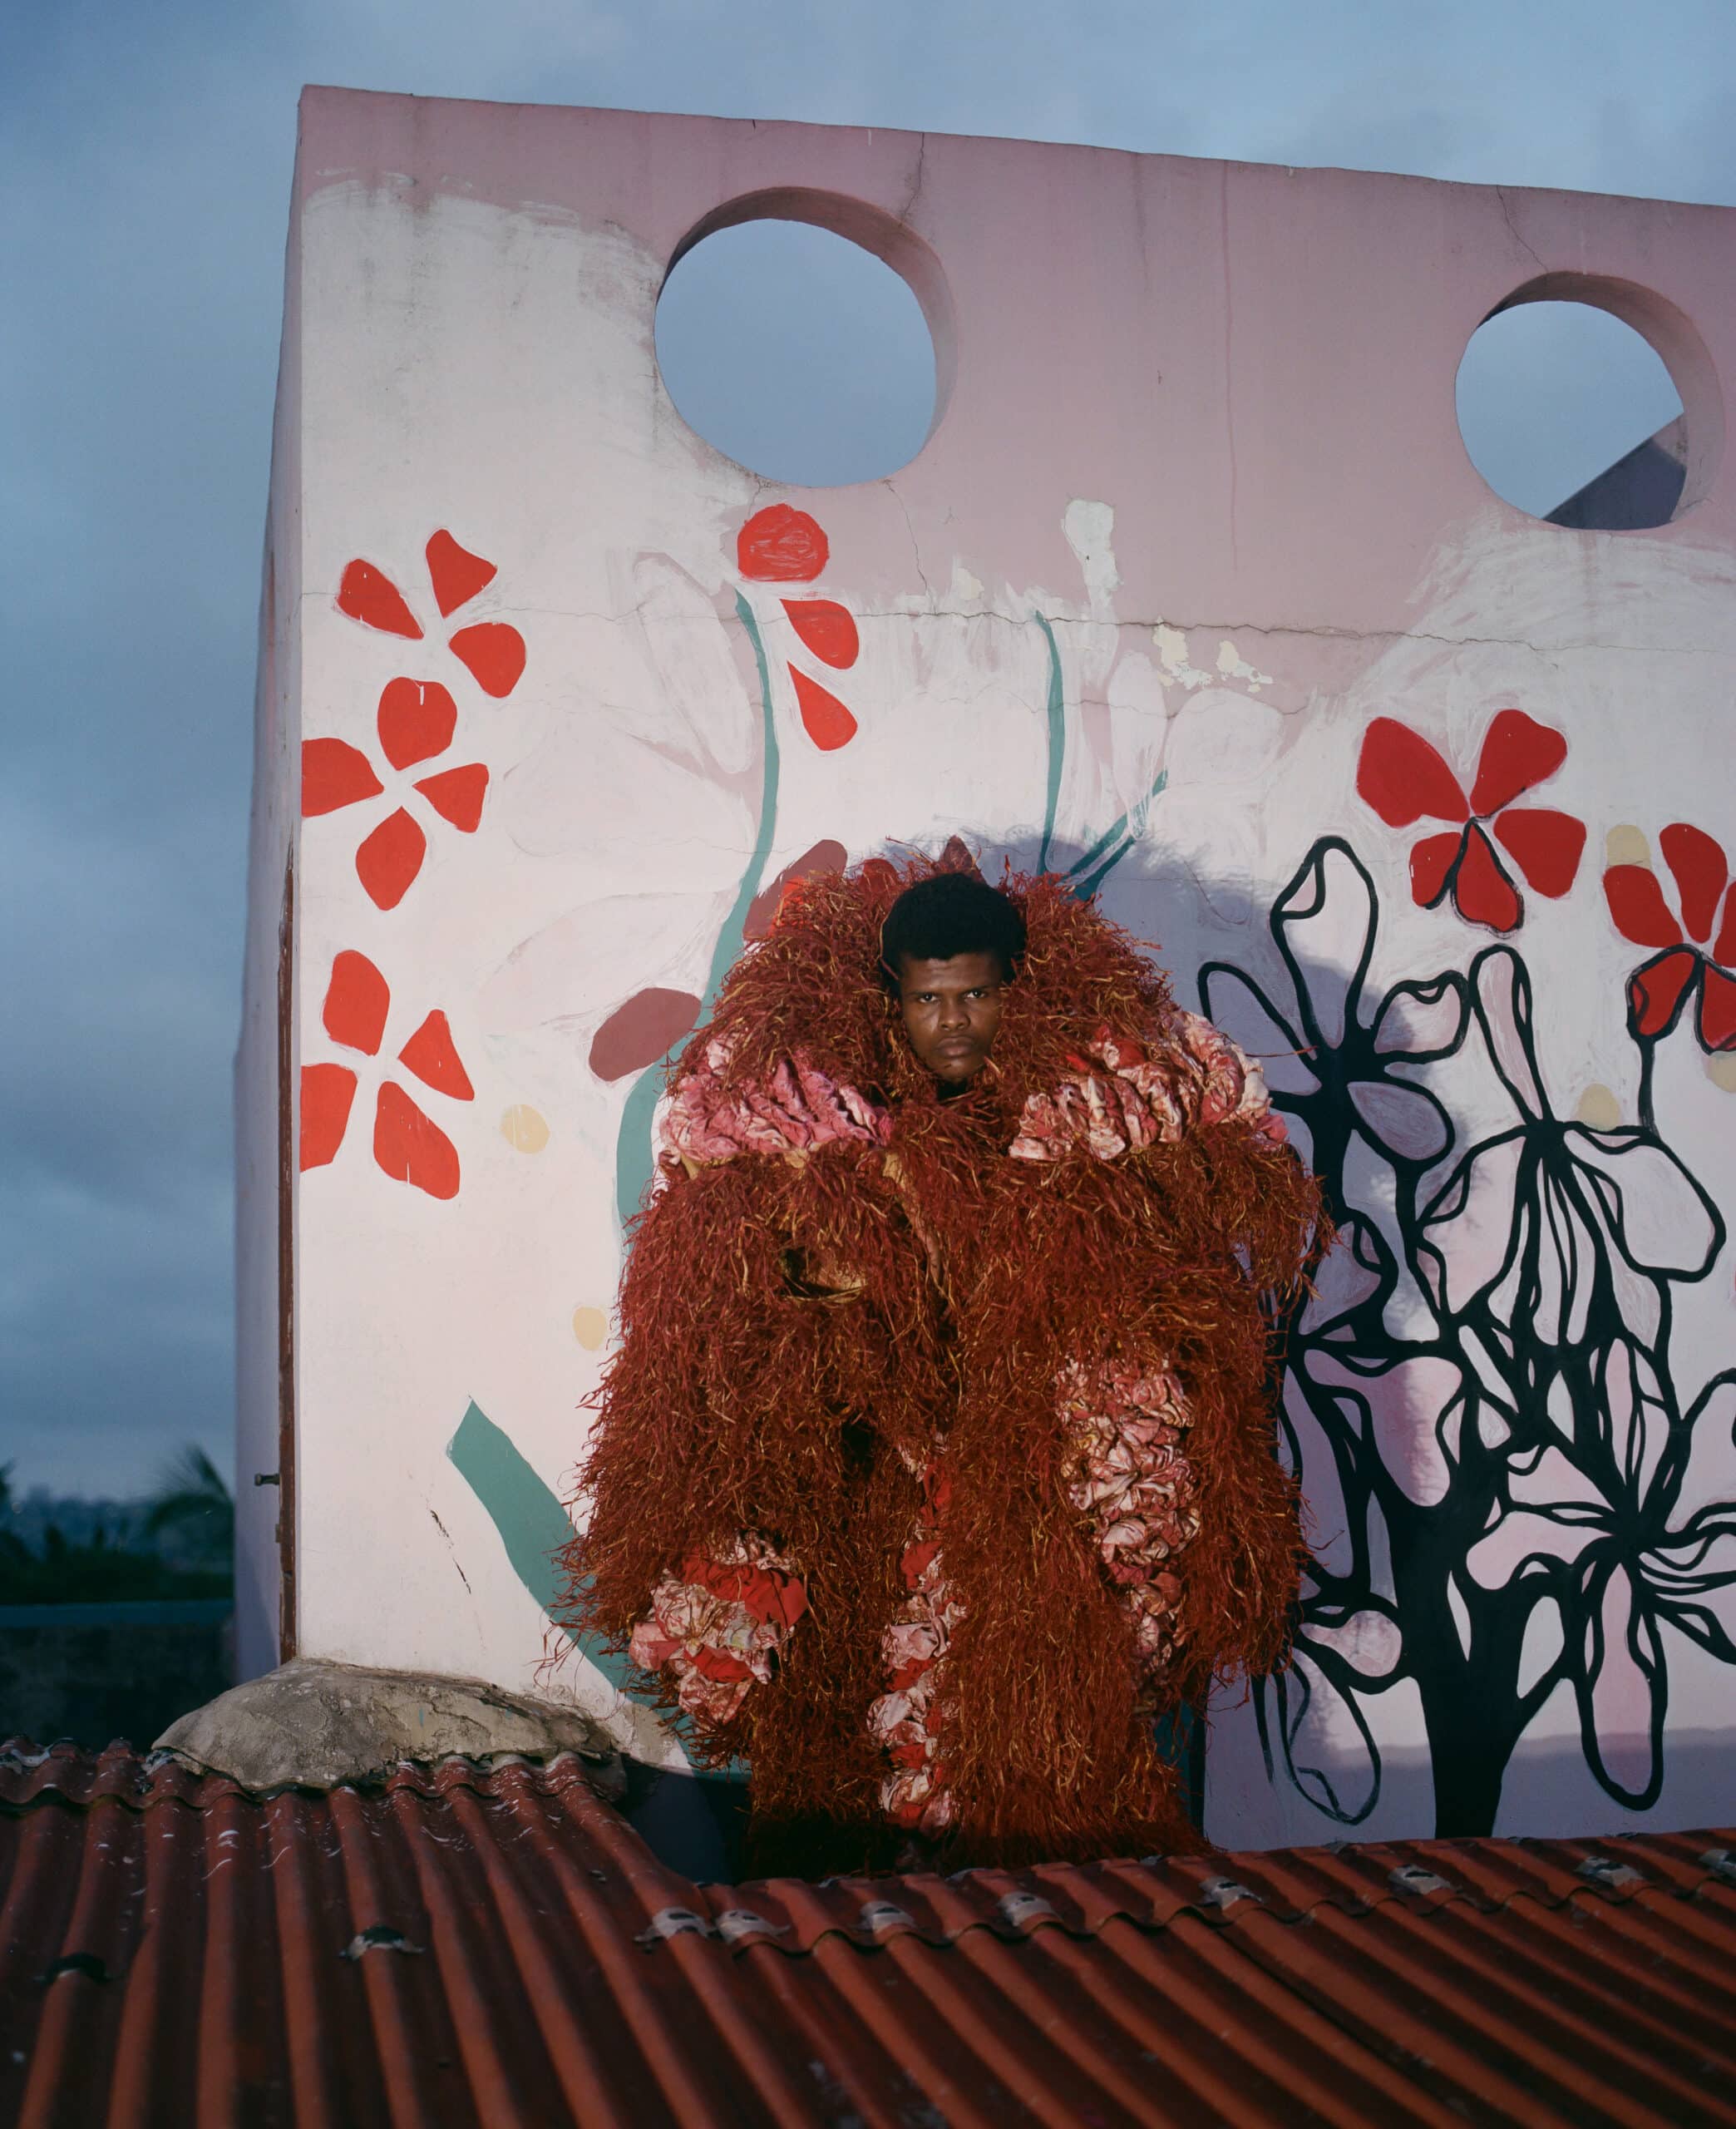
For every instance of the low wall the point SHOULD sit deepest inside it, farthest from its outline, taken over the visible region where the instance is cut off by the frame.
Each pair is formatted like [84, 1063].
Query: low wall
[94, 1672]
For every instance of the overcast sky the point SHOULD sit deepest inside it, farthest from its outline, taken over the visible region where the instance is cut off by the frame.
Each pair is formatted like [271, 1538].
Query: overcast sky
[144, 162]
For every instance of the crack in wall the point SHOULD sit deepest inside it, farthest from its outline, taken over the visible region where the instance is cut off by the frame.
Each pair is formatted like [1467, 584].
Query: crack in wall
[1326, 631]
[908, 207]
[915, 556]
[1507, 215]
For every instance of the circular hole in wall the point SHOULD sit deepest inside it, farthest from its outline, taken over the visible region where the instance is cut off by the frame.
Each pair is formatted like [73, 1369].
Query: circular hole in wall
[797, 354]
[1572, 416]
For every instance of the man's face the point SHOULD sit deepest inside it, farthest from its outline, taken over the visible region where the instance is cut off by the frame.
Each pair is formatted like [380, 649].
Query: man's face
[951, 1009]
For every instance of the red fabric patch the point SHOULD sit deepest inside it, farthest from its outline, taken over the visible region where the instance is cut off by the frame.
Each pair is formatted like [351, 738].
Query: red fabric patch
[762, 910]
[782, 1598]
[416, 718]
[326, 1091]
[1545, 846]
[1723, 946]
[495, 652]
[409, 1148]
[335, 774]
[638, 1033]
[368, 595]
[767, 1593]
[1717, 1010]
[827, 629]
[456, 575]
[1655, 991]
[829, 724]
[1637, 904]
[1517, 752]
[917, 1561]
[1482, 890]
[456, 794]
[390, 859]
[703, 1573]
[1430, 862]
[1698, 864]
[1403, 777]
[713, 1663]
[781, 545]
[433, 1055]
[357, 1000]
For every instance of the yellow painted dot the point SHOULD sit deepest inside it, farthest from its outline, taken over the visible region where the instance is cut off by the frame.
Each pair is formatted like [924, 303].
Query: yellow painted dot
[1721, 1071]
[524, 1129]
[591, 1327]
[1626, 845]
[1598, 1108]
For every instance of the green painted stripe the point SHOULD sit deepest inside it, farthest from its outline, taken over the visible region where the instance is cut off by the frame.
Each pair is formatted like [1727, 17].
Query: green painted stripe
[1086, 888]
[1131, 826]
[732, 937]
[532, 1523]
[1056, 711]
[1097, 848]
[634, 1158]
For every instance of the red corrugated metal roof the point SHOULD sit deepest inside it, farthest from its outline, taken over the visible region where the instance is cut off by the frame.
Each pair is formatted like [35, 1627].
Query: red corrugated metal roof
[495, 1946]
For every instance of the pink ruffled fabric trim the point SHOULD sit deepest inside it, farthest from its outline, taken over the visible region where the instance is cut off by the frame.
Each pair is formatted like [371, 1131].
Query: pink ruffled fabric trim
[719, 1625]
[905, 1720]
[1130, 1478]
[1127, 1095]
[796, 1110]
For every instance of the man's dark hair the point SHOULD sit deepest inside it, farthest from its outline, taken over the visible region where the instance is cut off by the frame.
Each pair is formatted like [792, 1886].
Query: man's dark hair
[952, 913]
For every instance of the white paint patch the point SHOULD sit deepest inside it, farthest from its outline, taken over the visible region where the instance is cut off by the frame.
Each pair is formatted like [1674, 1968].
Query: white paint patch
[1234, 666]
[1172, 656]
[1090, 530]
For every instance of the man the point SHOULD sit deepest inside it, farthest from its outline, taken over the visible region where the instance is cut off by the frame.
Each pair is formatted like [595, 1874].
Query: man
[936, 1460]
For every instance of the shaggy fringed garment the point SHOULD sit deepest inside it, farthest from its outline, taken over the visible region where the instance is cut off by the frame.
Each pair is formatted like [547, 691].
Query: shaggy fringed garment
[936, 1459]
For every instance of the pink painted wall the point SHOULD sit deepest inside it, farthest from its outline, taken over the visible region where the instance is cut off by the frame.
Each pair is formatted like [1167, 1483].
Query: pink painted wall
[1194, 515]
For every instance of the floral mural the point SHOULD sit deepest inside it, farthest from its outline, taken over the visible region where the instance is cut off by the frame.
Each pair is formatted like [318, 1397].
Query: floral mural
[407, 1144]
[1482, 1397]
[1696, 941]
[416, 724]
[1405, 780]
[1420, 799]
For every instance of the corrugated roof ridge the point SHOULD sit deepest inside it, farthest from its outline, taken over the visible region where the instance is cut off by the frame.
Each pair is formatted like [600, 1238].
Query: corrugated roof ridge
[142, 1780]
[1287, 1885]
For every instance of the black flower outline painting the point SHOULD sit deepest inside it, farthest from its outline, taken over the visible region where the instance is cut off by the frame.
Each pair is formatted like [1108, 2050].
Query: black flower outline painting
[1480, 1397]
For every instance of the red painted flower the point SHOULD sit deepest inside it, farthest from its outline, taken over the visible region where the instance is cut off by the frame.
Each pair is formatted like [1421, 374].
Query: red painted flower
[494, 651]
[782, 546]
[1403, 778]
[416, 722]
[406, 1145]
[1691, 955]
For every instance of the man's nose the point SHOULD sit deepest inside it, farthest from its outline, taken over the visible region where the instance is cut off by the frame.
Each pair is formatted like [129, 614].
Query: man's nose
[953, 1014]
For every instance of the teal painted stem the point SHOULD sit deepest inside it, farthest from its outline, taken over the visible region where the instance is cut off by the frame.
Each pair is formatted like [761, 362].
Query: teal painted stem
[1086, 888]
[634, 1159]
[1130, 827]
[1057, 717]
[530, 1522]
[1130, 824]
